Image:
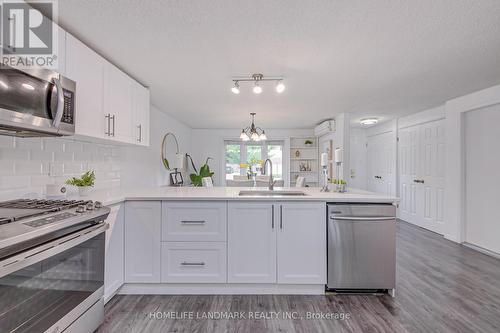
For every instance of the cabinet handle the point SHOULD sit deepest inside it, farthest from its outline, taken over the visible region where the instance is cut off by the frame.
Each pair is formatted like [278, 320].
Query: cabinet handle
[281, 217]
[113, 117]
[272, 216]
[107, 131]
[184, 263]
[140, 133]
[193, 222]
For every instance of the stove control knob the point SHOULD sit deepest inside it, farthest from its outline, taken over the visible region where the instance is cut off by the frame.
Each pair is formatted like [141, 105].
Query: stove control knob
[80, 209]
[98, 205]
[90, 205]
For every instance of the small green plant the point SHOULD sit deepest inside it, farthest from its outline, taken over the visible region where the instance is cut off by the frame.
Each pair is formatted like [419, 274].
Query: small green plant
[308, 142]
[87, 180]
[196, 178]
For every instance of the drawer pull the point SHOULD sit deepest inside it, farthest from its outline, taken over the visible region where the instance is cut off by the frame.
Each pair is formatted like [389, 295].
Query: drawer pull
[193, 222]
[184, 263]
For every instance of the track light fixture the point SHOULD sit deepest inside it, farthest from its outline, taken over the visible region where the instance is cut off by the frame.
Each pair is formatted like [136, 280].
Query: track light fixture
[257, 79]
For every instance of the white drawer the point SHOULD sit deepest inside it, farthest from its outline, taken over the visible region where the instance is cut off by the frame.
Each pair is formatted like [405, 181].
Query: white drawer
[202, 262]
[194, 221]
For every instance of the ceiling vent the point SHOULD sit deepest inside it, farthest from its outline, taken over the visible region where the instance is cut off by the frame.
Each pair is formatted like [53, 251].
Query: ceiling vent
[326, 127]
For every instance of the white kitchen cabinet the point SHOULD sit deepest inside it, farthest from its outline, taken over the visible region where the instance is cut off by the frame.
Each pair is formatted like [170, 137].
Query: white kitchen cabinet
[194, 221]
[251, 242]
[118, 108]
[86, 68]
[142, 241]
[114, 262]
[193, 262]
[141, 117]
[61, 50]
[302, 243]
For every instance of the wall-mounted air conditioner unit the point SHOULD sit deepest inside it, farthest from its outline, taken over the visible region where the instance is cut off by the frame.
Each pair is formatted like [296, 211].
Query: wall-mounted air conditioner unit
[326, 127]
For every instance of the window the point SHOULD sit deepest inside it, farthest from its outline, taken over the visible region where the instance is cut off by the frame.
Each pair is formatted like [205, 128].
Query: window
[242, 158]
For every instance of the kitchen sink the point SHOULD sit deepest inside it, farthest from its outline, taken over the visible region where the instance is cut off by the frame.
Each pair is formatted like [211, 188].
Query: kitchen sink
[269, 193]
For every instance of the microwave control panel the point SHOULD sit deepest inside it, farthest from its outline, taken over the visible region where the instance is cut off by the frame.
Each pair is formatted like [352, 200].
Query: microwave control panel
[69, 107]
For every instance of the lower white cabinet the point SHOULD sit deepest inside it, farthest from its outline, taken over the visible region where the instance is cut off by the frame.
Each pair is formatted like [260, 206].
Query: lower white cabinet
[281, 243]
[302, 243]
[251, 242]
[114, 259]
[193, 262]
[142, 241]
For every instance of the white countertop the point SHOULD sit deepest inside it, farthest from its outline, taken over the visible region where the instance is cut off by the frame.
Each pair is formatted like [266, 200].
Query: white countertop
[110, 197]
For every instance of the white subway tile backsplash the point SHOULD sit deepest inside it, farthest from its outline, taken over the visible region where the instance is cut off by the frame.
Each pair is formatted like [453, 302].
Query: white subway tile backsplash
[53, 144]
[13, 182]
[63, 156]
[14, 154]
[27, 165]
[28, 168]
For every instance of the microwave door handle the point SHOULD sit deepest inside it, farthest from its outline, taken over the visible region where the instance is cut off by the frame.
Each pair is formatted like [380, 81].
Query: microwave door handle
[59, 104]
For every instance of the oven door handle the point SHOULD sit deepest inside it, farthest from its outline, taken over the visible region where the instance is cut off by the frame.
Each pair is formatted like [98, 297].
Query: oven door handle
[47, 250]
[59, 103]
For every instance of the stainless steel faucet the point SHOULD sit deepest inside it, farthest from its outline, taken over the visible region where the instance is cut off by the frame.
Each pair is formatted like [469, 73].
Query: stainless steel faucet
[271, 180]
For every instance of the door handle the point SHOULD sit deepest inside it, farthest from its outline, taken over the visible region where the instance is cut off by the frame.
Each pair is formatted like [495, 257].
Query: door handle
[420, 181]
[108, 130]
[281, 217]
[113, 117]
[140, 133]
[194, 222]
[272, 216]
[60, 103]
[184, 263]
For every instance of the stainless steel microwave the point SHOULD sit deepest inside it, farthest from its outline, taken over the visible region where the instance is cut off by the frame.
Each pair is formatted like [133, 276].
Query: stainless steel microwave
[36, 102]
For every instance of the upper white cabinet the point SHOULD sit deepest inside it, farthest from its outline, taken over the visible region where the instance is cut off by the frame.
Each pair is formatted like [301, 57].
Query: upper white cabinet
[141, 118]
[143, 241]
[302, 243]
[86, 68]
[110, 104]
[251, 242]
[113, 272]
[118, 114]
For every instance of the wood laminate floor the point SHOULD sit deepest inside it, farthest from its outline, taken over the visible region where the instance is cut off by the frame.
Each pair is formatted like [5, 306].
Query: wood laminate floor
[441, 287]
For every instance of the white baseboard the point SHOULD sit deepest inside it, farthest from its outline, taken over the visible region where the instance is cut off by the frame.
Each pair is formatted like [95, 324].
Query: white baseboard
[483, 250]
[220, 289]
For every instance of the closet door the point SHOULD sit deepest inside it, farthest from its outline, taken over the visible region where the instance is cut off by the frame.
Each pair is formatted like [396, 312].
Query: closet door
[408, 168]
[431, 175]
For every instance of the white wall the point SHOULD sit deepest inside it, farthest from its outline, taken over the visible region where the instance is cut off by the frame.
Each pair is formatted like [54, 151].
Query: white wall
[482, 174]
[358, 158]
[142, 166]
[210, 143]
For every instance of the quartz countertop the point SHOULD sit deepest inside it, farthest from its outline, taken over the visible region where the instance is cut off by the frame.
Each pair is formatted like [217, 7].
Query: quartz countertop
[110, 197]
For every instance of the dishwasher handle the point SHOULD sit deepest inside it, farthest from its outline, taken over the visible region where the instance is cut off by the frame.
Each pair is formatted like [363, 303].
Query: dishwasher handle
[359, 218]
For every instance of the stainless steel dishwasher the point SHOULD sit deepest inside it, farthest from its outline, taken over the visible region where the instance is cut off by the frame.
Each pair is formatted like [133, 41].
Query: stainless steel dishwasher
[362, 247]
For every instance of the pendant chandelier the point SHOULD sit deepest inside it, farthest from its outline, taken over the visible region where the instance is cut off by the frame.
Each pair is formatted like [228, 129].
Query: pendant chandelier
[253, 132]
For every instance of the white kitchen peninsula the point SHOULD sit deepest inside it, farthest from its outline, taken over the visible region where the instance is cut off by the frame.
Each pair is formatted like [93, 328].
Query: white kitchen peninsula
[215, 241]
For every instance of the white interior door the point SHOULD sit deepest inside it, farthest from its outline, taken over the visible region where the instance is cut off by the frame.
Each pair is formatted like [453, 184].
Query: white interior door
[432, 140]
[381, 161]
[408, 166]
[421, 175]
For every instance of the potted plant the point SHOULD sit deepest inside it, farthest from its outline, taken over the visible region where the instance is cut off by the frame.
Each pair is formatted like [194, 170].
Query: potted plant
[308, 143]
[196, 178]
[84, 183]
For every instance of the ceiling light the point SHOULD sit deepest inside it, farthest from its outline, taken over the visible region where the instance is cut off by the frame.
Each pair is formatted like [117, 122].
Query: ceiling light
[257, 89]
[257, 80]
[28, 86]
[368, 121]
[236, 88]
[280, 87]
[253, 132]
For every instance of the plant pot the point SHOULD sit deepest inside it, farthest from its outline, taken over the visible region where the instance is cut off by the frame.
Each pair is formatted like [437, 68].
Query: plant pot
[84, 191]
[308, 144]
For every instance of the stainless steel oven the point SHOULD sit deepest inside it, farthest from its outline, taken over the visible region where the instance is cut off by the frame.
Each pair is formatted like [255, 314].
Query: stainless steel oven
[52, 267]
[36, 102]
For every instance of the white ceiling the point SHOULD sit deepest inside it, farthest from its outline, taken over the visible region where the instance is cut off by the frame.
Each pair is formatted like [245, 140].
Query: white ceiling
[376, 58]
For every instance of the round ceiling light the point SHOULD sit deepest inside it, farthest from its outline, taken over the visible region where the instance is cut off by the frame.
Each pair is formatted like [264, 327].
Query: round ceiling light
[280, 87]
[368, 121]
[257, 89]
[236, 88]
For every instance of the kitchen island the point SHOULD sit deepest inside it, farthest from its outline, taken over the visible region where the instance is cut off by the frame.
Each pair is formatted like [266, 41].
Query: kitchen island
[189, 240]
